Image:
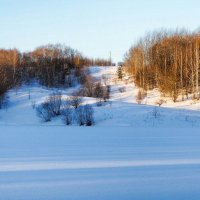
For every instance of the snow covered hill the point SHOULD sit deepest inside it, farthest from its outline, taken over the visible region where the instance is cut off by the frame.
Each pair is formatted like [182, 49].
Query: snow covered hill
[121, 110]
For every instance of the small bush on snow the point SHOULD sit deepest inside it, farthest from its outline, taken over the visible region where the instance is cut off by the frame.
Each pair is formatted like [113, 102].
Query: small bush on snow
[55, 101]
[140, 96]
[122, 89]
[89, 119]
[84, 115]
[50, 108]
[67, 113]
[160, 102]
[67, 116]
[44, 111]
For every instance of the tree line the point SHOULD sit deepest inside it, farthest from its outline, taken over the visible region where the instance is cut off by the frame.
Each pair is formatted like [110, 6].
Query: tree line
[167, 60]
[51, 65]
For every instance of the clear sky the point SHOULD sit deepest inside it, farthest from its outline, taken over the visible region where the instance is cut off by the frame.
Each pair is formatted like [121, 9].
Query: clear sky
[94, 27]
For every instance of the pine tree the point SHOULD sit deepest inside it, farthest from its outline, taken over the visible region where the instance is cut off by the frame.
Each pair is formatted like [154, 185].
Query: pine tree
[119, 73]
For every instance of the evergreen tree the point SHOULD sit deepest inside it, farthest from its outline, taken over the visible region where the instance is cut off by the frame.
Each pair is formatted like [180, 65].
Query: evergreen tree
[119, 73]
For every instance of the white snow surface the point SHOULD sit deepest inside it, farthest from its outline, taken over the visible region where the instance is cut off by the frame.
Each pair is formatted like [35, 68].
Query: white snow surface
[99, 163]
[128, 154]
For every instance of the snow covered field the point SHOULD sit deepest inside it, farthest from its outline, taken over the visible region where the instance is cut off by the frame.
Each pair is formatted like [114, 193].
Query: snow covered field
[128, 154]
[99, 163]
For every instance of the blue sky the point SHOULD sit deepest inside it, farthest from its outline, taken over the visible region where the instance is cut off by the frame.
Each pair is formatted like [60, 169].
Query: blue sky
[94, 27]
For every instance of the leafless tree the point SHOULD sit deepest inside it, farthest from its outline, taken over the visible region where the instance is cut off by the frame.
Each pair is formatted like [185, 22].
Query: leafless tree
[167, 60]
[55, 102]
[76, 100]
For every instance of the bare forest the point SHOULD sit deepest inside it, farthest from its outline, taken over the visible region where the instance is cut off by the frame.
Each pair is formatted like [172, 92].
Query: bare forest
[169, 61]
[51, 65]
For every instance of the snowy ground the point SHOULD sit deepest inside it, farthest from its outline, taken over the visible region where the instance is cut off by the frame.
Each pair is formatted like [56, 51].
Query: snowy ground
[128, 154]
[99, 163]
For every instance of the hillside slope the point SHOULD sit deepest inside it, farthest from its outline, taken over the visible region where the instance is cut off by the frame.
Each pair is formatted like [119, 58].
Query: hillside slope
[121, 110]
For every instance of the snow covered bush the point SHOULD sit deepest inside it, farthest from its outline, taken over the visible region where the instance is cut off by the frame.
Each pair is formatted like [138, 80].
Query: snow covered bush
[84, 115]
[67, 116]
[122, 89]
[75, 100]
[89, 111]
[44, 111]
[67, 113]
[80, 117]
[50, 108]
[55, 102]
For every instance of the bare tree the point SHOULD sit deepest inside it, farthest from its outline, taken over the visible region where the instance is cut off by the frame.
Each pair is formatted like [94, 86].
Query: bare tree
[98, 93]
[167, 60]
[89, 86]
[55, 102]
[76, 100]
